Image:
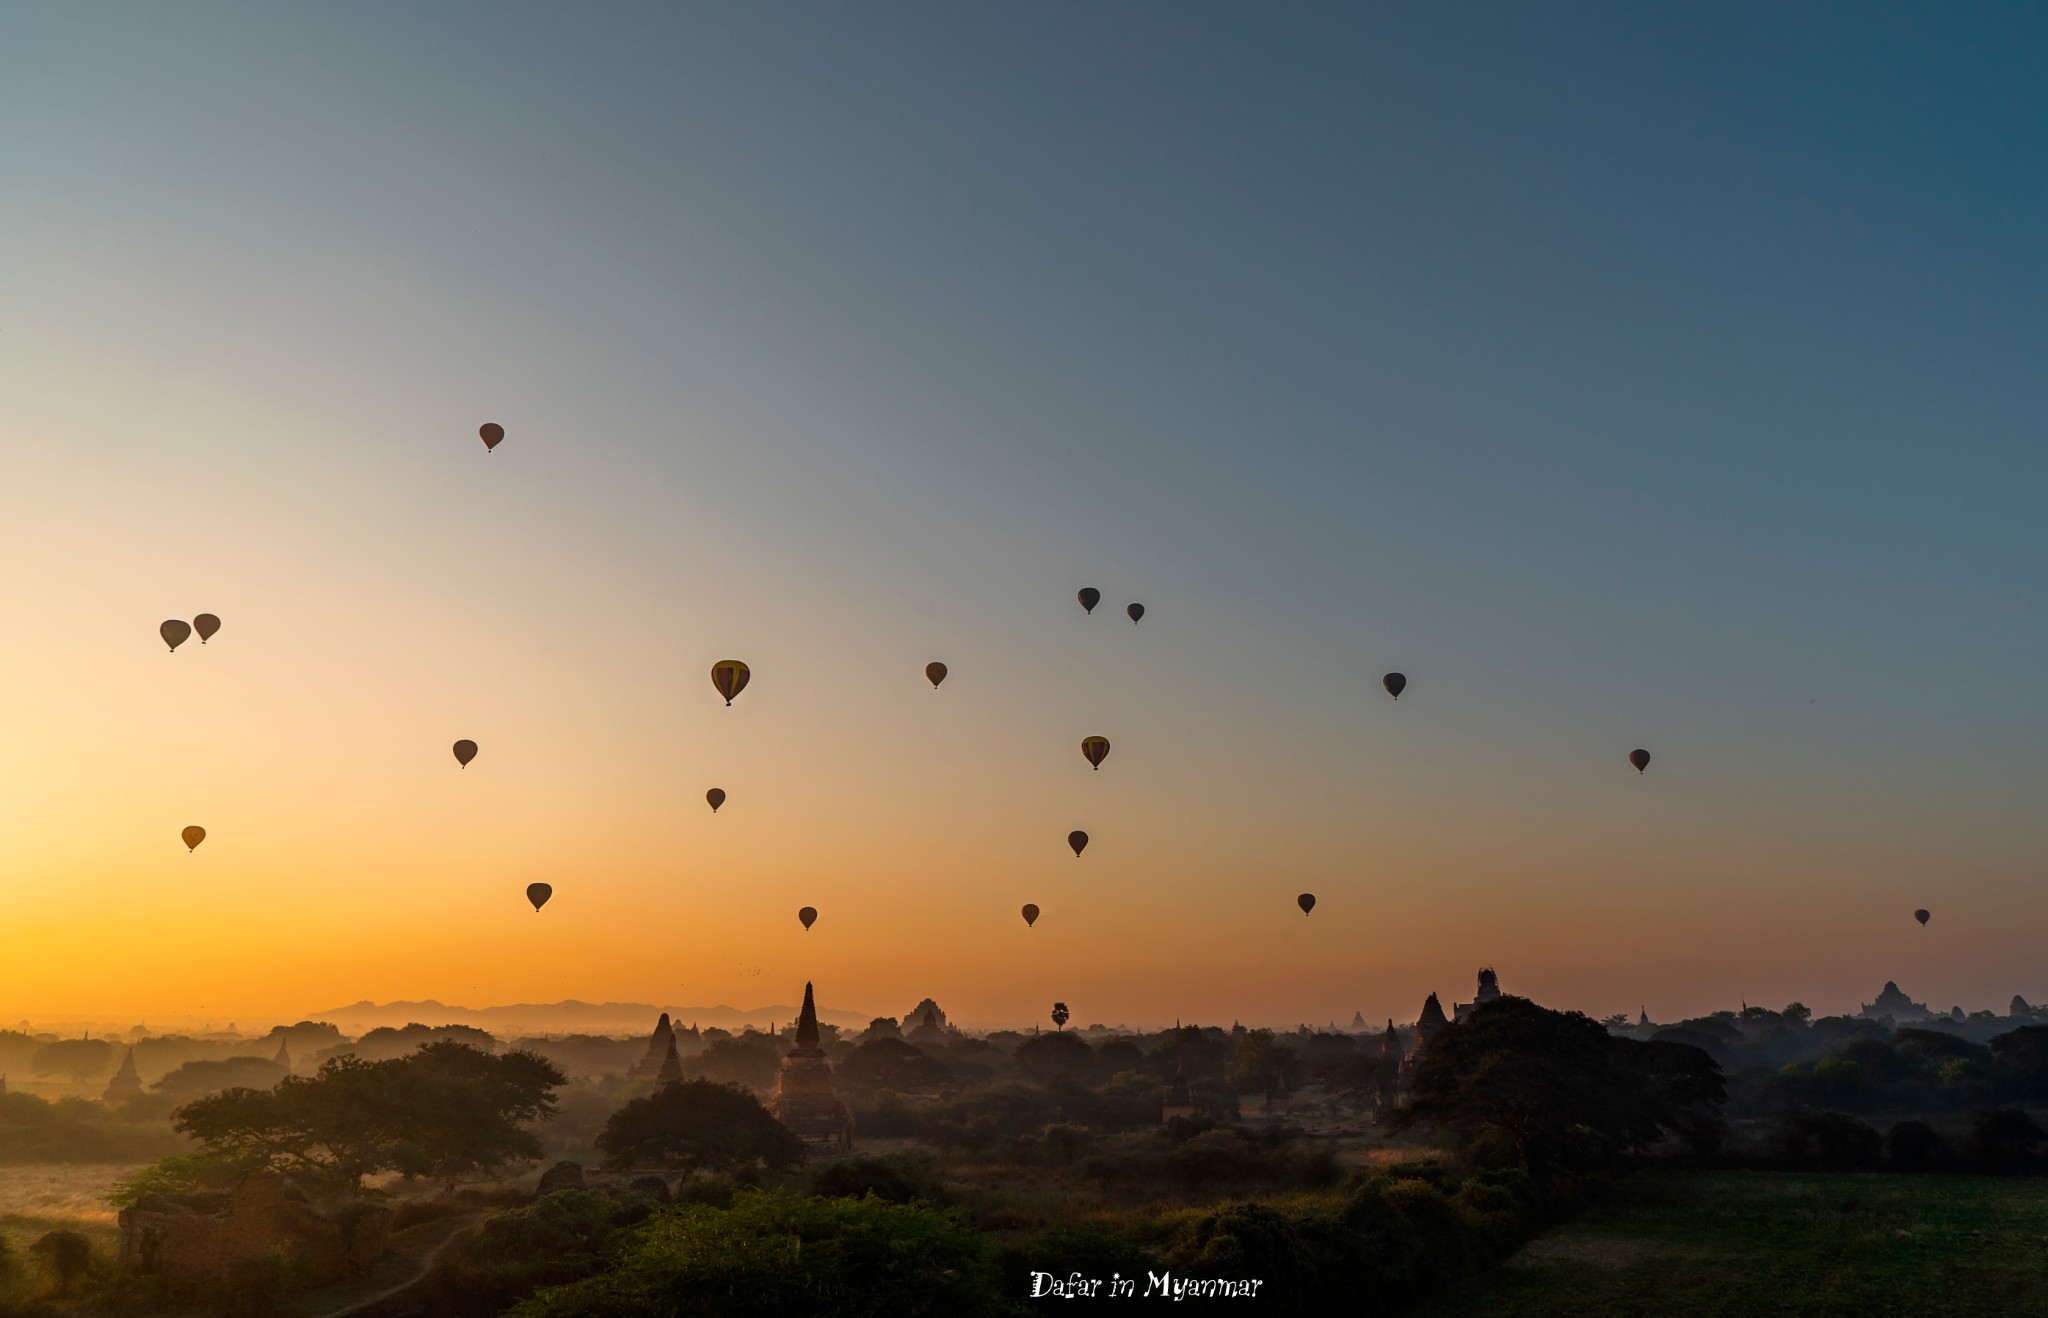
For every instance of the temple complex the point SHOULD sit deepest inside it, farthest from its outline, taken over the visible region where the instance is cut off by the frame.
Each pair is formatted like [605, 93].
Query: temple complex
[1489, 989]
[1894, 1004]
[126, 1084]
[804, 1098]
[659, 1045]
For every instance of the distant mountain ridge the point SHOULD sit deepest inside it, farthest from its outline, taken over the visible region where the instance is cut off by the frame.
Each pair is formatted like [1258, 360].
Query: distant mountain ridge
[567, 1017]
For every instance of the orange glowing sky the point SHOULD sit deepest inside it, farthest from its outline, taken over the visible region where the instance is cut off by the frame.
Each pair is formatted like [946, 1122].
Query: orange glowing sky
[822, 400]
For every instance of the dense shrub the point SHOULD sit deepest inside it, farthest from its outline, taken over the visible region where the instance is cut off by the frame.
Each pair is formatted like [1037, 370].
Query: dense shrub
[896, 1180]
[1911, 1144]
[1833, 1141]
[564, 1236]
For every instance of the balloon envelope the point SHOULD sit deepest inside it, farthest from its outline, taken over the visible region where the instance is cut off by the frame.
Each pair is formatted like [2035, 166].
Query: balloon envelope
[1095, 749]
[1089, 597]
[730, 677]
[1921, 916]
[717, 798]
[1030, 915]
[1136, 611]
[1641, 759]
[193, 835]
[465, 751]
[206, 625]
[1395, 683]
[809, 915]
[491, 433]
[1078, 841]
[175, 633]
[936, 672]
[538, 894]
[1307, 902]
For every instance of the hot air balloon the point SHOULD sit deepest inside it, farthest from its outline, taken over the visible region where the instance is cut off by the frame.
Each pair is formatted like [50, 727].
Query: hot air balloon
[465, 751]
[936, 672]
[809, 915]
[193, 835]
[174, 633]
[1921, 916]
[206, 625]
[1089, 597]
[491, 433]
[1395, 683]
[1030, 915]
[1095, 749]
[538, 894]
[1078, 841]
[1136, 611]
[730, 677]
[1641, 759]
[1307, 902]
[717, 798]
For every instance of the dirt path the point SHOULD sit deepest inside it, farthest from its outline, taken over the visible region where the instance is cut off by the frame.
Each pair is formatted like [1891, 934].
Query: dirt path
[414, 1252]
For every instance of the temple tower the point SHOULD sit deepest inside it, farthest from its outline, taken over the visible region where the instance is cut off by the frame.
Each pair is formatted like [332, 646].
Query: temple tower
[805, 1100]
[126, 1084]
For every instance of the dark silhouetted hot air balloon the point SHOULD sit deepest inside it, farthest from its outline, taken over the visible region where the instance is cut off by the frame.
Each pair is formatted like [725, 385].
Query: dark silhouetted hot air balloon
[1395, 683]
[1307, 902]
[1921, 916]
[1641, 759]
[206, 625]
[465, 751]
[491, 433]
[193, 835]
[1078, 841]
[717, 798]
[1095, 749]
[1089, 597]
[1030, 915]
[1136, 611]
[730, 677]
[175, 633]
[936, 672]
[809, 915]
[538, 894]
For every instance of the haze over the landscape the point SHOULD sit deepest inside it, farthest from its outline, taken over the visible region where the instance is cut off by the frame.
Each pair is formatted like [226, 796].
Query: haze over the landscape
[1522, 357]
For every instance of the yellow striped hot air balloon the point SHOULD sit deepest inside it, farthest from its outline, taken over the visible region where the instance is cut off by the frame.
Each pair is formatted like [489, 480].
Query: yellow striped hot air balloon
[730, 677]
[1095, 749]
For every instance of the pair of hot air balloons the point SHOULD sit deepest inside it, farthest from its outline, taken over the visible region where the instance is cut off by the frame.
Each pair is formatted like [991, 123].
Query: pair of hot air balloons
[1090, 597]
[176, 632]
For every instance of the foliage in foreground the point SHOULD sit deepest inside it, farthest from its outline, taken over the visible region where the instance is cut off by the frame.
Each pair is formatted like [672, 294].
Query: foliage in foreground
[777, 1254]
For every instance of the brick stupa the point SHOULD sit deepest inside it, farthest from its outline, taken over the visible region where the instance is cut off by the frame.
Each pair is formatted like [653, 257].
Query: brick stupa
[804, 1098]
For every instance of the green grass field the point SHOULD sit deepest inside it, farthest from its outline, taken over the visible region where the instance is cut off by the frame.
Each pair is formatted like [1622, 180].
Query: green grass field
[1740, 1244]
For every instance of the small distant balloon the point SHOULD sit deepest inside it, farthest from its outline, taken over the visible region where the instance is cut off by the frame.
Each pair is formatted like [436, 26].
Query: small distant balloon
[716, 796]
[1030, 915]
[1095, 750]
[206, 625]
[193, 835]
[175, 633]
[465, 751]
[809, 915]
[730, 677]
[492, 434]
[1921, 916]
[1641, 759]
[1307, 902]
[1078, 841]
[1089, 597]
[538, 894]
[1136, 611]
[935, 672]
[1395, 683]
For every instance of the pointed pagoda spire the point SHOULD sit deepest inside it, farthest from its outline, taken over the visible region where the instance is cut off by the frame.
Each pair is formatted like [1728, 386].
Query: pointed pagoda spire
[284, 1053]
[126, 1084]
[671, 1072]
[807, 1022]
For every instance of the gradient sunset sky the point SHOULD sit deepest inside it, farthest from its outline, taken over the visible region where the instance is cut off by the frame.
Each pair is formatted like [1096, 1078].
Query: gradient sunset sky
[1626, 375]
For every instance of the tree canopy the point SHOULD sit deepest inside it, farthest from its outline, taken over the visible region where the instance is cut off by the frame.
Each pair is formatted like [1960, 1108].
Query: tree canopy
[699, 1124]
[1546, 1079]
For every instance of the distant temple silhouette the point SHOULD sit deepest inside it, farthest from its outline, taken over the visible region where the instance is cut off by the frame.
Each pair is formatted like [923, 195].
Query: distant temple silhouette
[1895, 1004]
[659, 1045]
[1397, 1083]
[804, 1098]
[126, 1084]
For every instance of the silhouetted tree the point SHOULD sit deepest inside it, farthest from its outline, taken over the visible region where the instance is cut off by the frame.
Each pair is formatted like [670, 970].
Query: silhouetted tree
[2020, 1062]
[198, 1079]
[2004, 1138]
[1263, 1062]
[1059, 1015]
[81, 1059]
[889, 1064]
[1536, 1076]
[1049, 1057]
[699, 1124]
